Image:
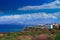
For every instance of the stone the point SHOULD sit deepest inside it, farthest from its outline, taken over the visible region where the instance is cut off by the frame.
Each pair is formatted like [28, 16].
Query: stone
[43, 37]
[24, 38]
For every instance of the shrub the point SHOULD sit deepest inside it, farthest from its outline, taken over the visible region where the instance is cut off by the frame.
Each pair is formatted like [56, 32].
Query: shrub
[57, 36]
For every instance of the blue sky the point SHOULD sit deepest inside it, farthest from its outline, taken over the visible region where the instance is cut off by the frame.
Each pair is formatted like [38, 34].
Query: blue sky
[29, 12]
[14, 4]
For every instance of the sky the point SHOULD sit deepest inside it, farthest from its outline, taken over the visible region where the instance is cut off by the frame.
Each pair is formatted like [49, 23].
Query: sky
[29, 12]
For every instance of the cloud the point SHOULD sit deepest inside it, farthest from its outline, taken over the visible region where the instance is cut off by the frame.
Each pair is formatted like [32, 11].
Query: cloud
[55, 4]
[27, 18]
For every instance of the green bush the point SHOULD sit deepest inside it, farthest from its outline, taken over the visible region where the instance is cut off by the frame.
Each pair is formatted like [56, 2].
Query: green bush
[57, 36]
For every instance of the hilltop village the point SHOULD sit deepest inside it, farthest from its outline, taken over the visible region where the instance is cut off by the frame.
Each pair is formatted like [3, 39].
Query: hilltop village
[44, 26]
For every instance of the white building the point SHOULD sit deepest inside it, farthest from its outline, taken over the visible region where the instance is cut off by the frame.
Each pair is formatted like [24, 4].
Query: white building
[49, 26]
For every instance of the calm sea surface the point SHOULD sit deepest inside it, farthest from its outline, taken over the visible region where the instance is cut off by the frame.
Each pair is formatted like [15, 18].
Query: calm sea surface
[11, 28]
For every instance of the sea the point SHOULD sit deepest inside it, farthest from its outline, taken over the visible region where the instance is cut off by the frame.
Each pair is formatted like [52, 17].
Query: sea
[11, 28]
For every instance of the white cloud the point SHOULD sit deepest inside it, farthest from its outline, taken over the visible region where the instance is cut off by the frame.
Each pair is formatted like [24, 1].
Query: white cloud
[55, 4]
[27, 17]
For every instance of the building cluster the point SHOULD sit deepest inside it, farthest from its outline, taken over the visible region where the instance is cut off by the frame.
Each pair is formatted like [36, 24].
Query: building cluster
[46, 26]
